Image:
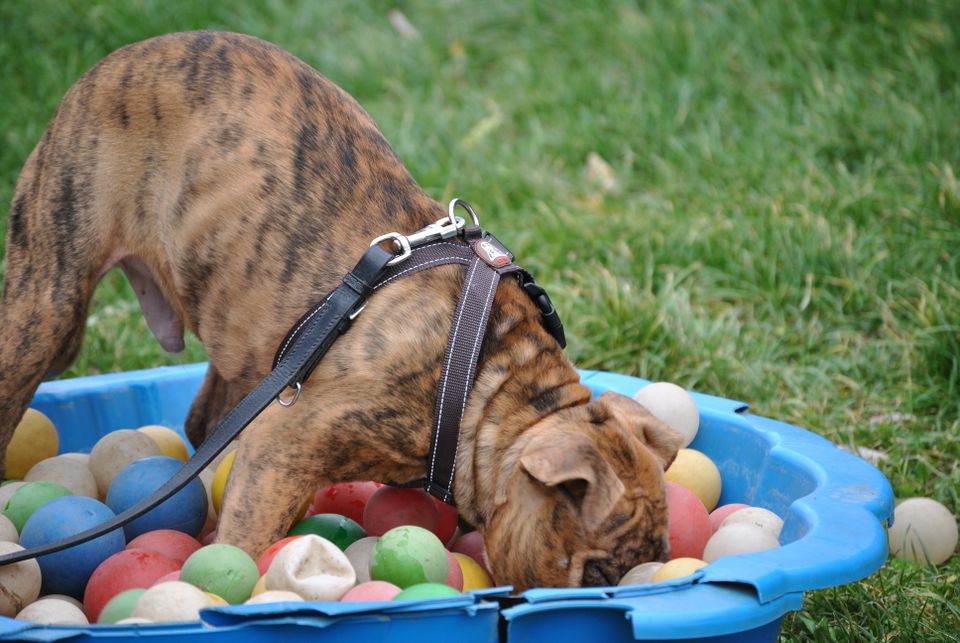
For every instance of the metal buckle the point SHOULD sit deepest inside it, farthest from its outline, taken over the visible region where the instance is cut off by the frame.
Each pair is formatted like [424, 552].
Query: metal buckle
[401, 246]
[292, 400]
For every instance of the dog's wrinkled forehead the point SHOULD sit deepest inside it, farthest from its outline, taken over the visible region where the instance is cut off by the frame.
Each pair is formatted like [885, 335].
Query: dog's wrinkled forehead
[614, 408]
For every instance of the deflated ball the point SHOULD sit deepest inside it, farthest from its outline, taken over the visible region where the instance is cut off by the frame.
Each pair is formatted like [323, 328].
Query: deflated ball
[312, 567]
[263, 563]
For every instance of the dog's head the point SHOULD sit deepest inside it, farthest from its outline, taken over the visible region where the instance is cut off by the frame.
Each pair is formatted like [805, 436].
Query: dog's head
[582, 498]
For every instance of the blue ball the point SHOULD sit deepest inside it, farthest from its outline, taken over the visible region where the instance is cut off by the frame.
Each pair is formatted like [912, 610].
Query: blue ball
[185, 511]
[67, 571]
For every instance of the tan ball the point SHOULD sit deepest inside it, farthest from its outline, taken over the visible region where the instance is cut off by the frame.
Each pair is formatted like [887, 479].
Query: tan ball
[81, 457]
[641, 574]
[738, 538]
[64, 597]
[275, 596]
[72, 473]
[116, 450]
[7, 491]
[53, 611]
[763, 518]
[312, 567]
[8, 531]
[168, 440]
[923, 530]
[171, 602]
[19, 582]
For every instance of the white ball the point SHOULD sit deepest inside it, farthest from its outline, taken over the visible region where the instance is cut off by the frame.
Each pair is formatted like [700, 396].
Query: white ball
[64, 597]
[672, 405]
[7, 491]
[80, 457]
[640, 574]
[53, 611]
[116, 450]
[312, 567]
[359, 553]
[923, 530]
[131, 620]
[738, 538]
[19, 582]
[72, 473]
[8, 531]
[274, 596]
[171, 602]
[763, 518]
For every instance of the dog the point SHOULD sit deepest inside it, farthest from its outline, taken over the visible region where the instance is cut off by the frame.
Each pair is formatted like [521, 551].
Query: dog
[235, 186]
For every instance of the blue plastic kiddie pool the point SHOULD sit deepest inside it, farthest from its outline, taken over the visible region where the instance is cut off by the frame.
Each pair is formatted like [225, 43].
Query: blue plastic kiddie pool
[835, 508]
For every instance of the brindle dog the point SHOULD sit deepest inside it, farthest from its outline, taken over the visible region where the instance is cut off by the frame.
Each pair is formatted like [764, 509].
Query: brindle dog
[234, 186]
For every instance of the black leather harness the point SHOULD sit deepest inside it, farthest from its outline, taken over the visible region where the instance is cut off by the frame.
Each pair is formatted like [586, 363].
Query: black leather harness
[448, 241]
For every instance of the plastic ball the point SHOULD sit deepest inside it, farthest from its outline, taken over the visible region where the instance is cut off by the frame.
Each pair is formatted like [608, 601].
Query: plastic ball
[672, 405]
[127, 569]
[474, 576]
[169, 441]
[260, 587]
[168, 577]
[8, 531]
[132, 620]
[345, 498]
[263, 563]
[738, 538]
[426, 590]
[448, 517]
[185, 511]
[67, 571]
[455, 575]
[175, 545]
[64, 597]
[763, 518]
[53, 611]
[19, 582]
[339, 530]
[359, 554]
[677, 568]
[923, 530]
[215, 600]
[120, 606]
[7, 489]
[30, 497]
[391, 507]
[472, 545]
[221, 569]
[276, 596]
[172, 602]
[34, 439]
[220, 476]
[409, 555]
[720, 514]
[69, 472]
[371, 590]
[114, 451]
[689, 522]
[312, 567]
[641, 574]
[698, 473]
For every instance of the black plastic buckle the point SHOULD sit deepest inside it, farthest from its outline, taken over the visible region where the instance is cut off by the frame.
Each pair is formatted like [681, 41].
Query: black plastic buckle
[551, 320]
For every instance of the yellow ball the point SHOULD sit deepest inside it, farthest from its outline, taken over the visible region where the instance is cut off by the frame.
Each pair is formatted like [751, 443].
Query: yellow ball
[34, 439]
[677, 568]
[474, 576]
[215, 601]
[260, 586]
[168, 440]
[699, 474]
[220, 479]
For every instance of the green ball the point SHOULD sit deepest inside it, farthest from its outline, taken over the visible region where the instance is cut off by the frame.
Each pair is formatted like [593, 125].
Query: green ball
[426, 590]
[221, 569]
[31, 497]
[339, 530]
[120, 606]
[409, 555]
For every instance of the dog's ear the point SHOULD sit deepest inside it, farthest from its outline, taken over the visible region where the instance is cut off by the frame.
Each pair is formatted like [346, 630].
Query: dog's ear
[572, 462]
[662, 441]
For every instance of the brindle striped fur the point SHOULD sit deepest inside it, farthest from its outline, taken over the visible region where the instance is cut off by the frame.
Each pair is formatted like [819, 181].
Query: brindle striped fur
[234, 186]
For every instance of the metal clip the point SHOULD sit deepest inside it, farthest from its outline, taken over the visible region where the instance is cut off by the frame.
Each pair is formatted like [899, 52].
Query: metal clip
[446, 228]
[292, 400]
[401, 246]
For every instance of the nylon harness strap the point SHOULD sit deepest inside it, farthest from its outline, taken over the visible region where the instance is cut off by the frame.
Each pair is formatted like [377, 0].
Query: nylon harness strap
[311, 337]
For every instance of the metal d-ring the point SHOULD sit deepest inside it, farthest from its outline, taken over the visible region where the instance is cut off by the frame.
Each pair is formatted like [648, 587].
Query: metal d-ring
[466, 206]
[292, 400]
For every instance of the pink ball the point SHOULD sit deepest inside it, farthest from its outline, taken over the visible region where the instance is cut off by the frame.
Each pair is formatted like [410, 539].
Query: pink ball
[263, 563]
[175, 545]
[391, 507]
[471, 544]
[209, 539]
[718, 515]
[455, 577]
[689, 523]
[127, 569]
[345, 498]
[447, 523]
[175, 575]
[372, 590]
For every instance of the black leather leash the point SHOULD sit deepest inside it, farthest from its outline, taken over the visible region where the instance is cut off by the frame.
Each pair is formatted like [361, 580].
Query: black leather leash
[311, 337]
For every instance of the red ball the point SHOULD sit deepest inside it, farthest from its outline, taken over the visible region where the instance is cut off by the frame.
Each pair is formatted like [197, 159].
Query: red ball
[127, 569]
[719, 514]
[263, 563]
[175, 545]
[391, 507]
[447, 523]
[372, 590]
[689, 522]
[471, 544]
[345, 498]
[455, 577]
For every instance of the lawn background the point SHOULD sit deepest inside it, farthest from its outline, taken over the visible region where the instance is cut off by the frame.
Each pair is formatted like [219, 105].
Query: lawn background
[775, 218]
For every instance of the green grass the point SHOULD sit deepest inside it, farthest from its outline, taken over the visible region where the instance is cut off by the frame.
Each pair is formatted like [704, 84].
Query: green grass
[783, 229]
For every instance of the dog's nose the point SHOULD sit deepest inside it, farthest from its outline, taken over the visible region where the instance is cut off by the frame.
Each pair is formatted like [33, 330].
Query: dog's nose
[596, 573]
